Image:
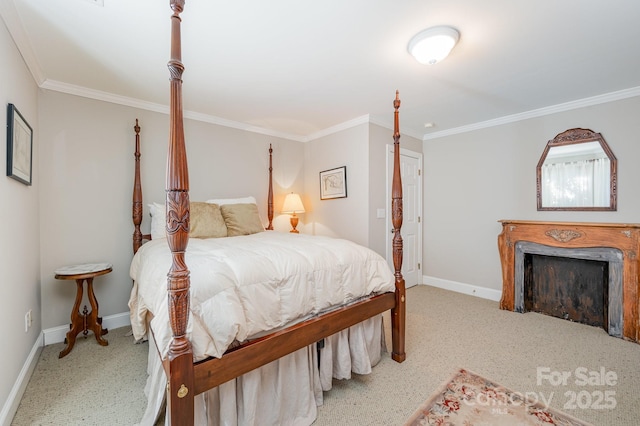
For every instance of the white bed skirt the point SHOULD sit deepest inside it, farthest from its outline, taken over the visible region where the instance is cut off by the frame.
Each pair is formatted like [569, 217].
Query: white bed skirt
[284, 392]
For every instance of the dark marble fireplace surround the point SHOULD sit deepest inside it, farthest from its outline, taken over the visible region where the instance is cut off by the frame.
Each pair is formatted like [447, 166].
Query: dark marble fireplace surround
[616, 244]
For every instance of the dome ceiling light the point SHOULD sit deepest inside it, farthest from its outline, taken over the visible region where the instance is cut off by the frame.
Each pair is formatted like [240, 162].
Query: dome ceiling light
[433, 44]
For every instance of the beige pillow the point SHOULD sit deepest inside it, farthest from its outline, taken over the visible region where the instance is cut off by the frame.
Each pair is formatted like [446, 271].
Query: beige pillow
[206, 221]
[241, 219]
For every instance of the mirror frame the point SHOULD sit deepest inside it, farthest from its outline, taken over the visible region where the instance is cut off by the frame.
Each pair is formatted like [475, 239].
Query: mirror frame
[575, 136]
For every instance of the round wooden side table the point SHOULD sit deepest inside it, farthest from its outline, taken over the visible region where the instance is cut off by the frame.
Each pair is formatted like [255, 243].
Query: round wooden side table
[85, 321]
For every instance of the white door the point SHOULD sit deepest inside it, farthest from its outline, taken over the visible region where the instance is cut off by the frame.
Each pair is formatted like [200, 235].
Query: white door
[411, 231]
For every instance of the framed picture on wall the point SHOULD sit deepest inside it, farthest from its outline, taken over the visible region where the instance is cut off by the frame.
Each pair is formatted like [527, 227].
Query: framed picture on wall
[333, 183]
[19, 146]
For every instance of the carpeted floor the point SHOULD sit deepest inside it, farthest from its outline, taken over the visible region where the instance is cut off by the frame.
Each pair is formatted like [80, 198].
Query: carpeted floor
[92, 385]
[96, 385]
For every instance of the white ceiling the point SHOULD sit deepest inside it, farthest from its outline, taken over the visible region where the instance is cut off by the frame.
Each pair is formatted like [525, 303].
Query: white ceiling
[298, 68]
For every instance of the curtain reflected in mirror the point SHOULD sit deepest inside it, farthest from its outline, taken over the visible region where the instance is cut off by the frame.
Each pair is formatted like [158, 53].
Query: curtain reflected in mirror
[577, 171]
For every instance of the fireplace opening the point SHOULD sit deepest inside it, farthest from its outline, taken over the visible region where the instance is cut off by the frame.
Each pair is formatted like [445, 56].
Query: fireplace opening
[570, 283]
[570, 288]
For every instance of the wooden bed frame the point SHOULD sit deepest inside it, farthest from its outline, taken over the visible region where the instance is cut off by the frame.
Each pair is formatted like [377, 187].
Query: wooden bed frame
[186, 378]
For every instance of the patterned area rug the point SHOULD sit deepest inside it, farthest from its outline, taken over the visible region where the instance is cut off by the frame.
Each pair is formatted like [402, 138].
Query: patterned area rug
[470, 400]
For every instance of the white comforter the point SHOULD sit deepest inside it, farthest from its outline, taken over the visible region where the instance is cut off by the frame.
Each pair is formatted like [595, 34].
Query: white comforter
[244, 286]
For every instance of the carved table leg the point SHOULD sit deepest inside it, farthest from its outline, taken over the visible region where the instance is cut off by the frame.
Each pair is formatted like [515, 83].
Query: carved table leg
[77, 323]
[82, 323]
[94, 321]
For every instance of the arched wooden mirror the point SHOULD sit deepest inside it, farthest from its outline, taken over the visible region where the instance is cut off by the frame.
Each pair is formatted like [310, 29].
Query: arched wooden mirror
[577, 171]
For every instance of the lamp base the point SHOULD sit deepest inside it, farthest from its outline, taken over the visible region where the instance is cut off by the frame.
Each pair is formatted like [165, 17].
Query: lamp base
[294, 223]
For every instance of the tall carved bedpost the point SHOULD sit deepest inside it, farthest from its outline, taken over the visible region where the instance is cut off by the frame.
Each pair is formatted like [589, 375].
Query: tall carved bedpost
[137, 195]
[181, 378]
[270, 196]
[398, 314]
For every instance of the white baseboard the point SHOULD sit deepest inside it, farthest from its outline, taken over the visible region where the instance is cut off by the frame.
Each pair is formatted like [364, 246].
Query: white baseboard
[472, 290]
[57, 334]
[13, 401]
[46, 337]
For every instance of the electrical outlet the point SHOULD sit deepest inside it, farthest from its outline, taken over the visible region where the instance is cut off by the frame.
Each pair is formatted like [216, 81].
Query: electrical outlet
[27, 320]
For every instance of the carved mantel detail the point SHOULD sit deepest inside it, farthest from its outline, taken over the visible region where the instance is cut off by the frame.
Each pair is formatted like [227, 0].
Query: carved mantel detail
[624, 237]
[563, 235]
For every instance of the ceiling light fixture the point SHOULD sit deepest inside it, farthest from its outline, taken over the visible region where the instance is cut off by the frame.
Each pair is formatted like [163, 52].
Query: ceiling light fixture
[433, 44]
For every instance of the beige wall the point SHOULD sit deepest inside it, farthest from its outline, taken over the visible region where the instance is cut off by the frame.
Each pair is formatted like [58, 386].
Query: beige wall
[340, 217]
[474, 179]
[19, 250]
[363, 150]
[87, 179]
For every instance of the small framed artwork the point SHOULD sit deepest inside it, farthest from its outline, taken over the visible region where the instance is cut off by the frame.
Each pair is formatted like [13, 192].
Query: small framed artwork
[333, 183]
[19, 146]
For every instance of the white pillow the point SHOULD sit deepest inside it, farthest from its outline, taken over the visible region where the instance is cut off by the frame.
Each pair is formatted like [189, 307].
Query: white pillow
[242, 200]
[158, 220]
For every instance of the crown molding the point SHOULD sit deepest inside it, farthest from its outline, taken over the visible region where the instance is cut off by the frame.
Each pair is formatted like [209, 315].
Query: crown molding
[160, 108]
[553, 109]
[387, 125]
[192, 115]
[164, 109]
[13, 22]
[242, 126]
[338, 128]
[99, 95]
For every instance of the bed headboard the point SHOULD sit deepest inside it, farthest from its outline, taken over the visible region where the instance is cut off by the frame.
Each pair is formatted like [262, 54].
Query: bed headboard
[138, 206]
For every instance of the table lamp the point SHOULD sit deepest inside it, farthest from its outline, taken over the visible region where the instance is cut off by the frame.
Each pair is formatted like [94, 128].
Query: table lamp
[292, 205]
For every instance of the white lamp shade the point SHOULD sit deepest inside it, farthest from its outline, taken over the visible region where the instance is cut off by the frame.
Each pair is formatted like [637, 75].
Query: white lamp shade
[292, 204]
[433, 45]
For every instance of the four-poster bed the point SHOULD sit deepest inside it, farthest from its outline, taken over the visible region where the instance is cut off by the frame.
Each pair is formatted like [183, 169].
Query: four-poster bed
[188, 373]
